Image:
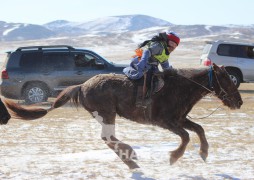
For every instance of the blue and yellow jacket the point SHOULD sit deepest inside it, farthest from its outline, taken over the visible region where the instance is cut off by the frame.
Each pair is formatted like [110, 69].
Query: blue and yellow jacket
[154, 53]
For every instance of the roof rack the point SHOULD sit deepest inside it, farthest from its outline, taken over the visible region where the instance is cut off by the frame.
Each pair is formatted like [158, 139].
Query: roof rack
[45, 47]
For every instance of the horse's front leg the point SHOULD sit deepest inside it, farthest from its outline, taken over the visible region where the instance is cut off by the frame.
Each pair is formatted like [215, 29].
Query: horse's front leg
[176, 154]
[201, 134]
[124, 151]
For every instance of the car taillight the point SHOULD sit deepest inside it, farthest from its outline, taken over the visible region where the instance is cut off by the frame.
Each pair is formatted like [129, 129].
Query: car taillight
[4, 74]
[207, 62]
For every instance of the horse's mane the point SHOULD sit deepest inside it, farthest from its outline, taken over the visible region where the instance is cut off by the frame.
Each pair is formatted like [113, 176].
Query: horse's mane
[186, 72]
[191, 72]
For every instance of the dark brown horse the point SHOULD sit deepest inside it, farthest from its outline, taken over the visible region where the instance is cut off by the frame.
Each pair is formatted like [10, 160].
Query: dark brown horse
[4, 114]
[104, 96]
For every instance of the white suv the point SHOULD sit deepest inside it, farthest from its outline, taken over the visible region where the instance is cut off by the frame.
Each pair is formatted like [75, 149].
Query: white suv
[237, 58]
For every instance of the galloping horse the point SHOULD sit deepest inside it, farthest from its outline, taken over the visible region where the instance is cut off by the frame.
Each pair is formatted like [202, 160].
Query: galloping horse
[4, 114]
[104, 96]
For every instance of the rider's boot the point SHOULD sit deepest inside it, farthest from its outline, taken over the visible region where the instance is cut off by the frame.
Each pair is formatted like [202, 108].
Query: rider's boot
[158, 84]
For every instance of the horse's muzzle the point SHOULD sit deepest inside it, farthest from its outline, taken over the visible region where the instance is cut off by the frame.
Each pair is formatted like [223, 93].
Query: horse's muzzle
[240, 103]
[237, 105]
[4, 119]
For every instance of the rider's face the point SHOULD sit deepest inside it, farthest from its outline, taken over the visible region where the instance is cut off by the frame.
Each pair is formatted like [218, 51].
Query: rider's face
[171, 46]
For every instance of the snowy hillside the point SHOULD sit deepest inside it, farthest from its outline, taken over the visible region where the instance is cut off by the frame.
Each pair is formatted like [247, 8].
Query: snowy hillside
[108, 26]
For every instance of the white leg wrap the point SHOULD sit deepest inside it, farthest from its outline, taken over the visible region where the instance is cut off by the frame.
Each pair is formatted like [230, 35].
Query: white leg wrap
[108, 130]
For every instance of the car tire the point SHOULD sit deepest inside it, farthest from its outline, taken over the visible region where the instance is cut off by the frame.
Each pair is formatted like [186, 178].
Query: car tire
[35, 93]
[235, 77]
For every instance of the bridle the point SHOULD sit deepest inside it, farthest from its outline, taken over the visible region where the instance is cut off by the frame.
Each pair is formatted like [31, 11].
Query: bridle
[226, 95]
[223, 93]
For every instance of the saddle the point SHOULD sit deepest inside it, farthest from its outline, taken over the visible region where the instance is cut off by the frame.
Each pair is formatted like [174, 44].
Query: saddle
[146, 87]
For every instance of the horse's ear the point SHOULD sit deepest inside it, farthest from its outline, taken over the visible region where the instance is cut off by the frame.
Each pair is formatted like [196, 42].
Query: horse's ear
[216, 67]
[223, 68]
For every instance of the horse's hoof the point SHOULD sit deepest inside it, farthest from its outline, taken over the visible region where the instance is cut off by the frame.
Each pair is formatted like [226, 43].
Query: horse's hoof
[174, 156]
[203, 156]
[134, 167]
[131, 164]
[172, 160]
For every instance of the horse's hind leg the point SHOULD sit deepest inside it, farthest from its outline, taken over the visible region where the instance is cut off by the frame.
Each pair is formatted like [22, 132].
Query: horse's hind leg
[201, 134]
[124, 151]
[176, 154]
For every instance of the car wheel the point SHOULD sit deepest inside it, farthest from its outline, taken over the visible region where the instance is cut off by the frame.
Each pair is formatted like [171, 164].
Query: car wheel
[235, 78]
[35, 93]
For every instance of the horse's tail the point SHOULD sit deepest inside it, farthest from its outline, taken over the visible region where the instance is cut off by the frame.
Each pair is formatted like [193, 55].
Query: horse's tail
[32, 112]
[70, 93]
[25, 113]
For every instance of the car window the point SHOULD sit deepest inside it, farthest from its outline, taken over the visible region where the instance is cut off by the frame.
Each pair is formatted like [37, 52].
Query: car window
[30, 60]
[61, 61]
[224, 50]
[85, 60]
[245, 51]
[232, 50]
[250, 52]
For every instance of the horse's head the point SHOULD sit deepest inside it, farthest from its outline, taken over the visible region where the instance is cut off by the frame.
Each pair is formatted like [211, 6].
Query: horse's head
[4, 114]
[225, 89]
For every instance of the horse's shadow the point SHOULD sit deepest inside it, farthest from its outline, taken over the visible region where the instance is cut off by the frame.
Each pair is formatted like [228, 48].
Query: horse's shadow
[224, 176]
[227, 176]
[140, 176]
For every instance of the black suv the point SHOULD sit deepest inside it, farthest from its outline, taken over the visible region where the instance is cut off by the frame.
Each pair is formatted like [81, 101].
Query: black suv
[35, 73]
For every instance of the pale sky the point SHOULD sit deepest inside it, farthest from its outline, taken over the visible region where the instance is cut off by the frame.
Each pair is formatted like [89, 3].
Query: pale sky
[181, 12]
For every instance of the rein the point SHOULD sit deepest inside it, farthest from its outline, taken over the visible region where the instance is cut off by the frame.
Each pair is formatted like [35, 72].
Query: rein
[210, 76]
[206, 115]
[210, 81]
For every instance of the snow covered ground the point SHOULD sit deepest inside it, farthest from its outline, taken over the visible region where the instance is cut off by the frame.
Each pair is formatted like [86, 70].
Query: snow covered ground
[66, 144]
